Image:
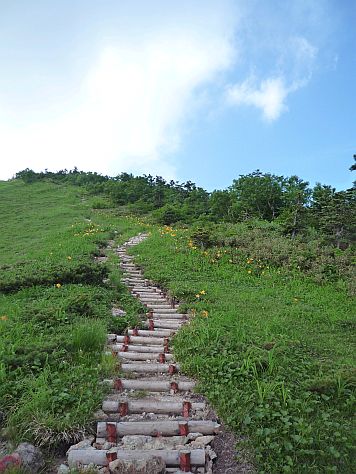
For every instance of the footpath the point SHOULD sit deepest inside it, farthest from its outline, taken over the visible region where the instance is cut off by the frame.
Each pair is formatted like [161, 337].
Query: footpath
[152, 422]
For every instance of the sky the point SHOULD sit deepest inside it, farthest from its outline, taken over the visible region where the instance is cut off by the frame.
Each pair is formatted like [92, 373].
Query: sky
[201, 90]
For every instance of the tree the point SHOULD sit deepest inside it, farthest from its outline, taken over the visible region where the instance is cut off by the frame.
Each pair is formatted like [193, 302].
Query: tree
[296, 196]
[257, 195]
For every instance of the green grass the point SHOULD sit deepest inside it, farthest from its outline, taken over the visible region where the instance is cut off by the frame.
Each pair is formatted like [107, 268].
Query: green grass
[272, 350]
[55, 309]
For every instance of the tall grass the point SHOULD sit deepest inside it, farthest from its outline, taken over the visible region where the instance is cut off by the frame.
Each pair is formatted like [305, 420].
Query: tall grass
[273, 351]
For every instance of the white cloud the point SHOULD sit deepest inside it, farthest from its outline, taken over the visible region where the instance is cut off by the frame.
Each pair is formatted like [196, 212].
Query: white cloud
[269, 96]
[132, 104]
[294, 65]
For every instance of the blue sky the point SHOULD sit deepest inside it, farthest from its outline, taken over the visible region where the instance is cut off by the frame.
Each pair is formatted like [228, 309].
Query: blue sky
[202, 90]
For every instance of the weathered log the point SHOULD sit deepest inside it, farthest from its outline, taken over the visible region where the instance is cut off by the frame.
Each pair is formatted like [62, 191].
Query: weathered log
[141, 340]
[98, 457]
[158, 333]
[137, 348]
[164, 324]
[152, 385]
[151, 406]
[150, 368]
[143, 356]
[163, 428]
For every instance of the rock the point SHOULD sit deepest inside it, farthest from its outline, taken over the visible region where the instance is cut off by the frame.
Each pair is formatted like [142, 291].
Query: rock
[193, 436]
[63, 469]
[86, 443]
[202, 441]
[31, 457]
[171, 442]
[135, 441]
[151, 465]
[118, 312]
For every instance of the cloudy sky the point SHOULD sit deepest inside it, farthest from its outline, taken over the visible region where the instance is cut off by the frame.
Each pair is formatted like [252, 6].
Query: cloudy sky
[202, 90]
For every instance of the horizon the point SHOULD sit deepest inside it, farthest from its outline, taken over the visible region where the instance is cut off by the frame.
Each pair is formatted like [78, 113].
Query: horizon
[203, 92]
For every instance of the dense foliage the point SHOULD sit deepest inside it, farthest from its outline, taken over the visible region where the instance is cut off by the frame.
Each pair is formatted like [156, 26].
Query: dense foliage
[288, 201]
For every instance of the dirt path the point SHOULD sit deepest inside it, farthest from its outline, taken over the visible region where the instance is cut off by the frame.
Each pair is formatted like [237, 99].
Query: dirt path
[152, 421]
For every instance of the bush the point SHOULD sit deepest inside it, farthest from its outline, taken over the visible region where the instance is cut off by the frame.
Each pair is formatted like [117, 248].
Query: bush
[167, 215]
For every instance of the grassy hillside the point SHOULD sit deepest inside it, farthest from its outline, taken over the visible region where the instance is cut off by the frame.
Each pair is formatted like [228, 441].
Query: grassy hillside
[55, 309]
[272, 349]
[271, 344]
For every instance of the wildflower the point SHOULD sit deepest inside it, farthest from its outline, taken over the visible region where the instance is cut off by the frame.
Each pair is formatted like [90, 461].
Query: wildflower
[197, 296]
[203, 292]
[205, 314]
[69, 257]
[58, 285]
[249, 271]
[4, 318]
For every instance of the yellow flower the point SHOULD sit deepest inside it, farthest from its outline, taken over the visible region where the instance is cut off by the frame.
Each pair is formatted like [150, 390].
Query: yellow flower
[198, 295]
[202, 292]
[58, 285]
[69, 257]
[204, 314]
[4, 318]
[249, 271]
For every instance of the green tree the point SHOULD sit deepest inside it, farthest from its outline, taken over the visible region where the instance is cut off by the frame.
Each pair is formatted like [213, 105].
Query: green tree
[257, 195]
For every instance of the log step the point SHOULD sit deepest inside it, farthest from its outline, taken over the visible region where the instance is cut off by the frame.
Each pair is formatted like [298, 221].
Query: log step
[141, 340]
[150, 368]
[156, 333]
[154, 428]
[100, 457]
[183, 408]
[151, 385]
[161, 357]
[137, 348]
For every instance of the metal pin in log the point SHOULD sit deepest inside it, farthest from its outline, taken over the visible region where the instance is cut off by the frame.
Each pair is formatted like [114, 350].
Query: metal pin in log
[174, 387]
[184, 460]
[135, 331]
[111, 456]
[187, 406]
[123, 408]
[118, 384]
[126, 339]
[162, 358]
[150, 314]
[183, 428]
[172, 369]
[124, 348]
[151, 325]
[111, 432]
[166, 345]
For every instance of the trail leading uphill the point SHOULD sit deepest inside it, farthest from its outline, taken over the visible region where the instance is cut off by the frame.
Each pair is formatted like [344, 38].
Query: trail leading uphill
[152, 422]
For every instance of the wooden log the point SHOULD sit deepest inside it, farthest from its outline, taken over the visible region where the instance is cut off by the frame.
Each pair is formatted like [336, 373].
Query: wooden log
[156, 333]
[151, 406]
[164, 324]
[160, 315]
[164, 428]
[98, 457]
[143, 356]
[150, 368]
[152, 385]
[137, 348]
[141, 340]
[77, 457]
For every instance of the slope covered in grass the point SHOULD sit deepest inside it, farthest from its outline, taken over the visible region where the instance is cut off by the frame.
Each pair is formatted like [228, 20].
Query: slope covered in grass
[272, 349]
[55, 309]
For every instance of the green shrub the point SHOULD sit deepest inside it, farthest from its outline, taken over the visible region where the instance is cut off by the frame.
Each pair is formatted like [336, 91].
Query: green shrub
[89, 337]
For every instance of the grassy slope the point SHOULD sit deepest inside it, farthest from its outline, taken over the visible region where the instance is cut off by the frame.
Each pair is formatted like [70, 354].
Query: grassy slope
[54, 309]
[274, 353]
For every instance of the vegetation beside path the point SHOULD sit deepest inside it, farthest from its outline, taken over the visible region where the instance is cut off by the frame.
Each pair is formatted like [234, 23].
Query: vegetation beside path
[55, 310]
[272, 349]
[272, 341]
